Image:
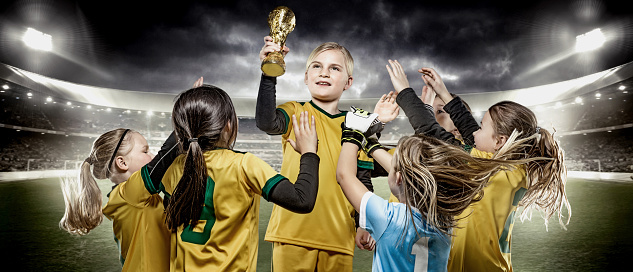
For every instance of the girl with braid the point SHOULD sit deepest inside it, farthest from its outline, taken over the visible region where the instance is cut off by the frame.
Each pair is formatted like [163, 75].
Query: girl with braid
[215, 191]
[134, 207]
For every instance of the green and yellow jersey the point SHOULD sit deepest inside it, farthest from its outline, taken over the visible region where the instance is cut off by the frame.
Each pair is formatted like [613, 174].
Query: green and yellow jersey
[226, 236]
[482, 240]
[330, 225]
[138, 222]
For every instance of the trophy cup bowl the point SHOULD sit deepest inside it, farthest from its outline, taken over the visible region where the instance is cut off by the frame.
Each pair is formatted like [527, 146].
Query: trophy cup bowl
[281, 21]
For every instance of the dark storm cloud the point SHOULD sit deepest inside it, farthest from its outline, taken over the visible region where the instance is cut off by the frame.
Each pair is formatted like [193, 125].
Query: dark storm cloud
[484, 45]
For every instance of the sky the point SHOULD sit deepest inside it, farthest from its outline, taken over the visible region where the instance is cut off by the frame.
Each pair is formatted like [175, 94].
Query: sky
[156, 46]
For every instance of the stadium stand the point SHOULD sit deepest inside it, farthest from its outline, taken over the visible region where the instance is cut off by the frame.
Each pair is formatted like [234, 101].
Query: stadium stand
[42, 132]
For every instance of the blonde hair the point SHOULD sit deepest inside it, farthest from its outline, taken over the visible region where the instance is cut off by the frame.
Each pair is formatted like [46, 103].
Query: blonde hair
[82, 196]
[545, 160]
[349, 61]
[441, 180]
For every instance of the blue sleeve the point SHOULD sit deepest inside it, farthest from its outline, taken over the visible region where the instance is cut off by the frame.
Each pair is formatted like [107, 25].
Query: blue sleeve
[374, 214]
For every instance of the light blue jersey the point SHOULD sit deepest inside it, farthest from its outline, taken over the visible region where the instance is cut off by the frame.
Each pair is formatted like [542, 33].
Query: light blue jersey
[386, 221]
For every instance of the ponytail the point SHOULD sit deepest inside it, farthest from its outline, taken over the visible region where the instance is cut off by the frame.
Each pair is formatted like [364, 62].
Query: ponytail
[82, 196]
[547, 178]
[187, 200]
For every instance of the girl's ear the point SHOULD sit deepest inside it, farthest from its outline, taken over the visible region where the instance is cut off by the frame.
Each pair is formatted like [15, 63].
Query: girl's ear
[501, 140]
[121, 164]
[350, 80]
[398, 178]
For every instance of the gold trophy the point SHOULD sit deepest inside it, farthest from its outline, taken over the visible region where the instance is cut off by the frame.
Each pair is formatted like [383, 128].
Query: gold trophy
[281, 21]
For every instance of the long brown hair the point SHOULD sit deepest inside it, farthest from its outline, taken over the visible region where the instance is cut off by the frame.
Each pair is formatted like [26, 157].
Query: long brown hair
[441, 180]
[82, 196]
[199, 118]
[545, 168]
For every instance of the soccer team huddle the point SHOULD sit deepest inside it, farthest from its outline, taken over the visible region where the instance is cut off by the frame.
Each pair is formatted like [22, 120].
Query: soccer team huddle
[456, 185]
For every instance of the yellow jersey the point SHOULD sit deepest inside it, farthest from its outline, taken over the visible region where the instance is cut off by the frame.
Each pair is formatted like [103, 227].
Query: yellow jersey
[226, 237]
[138, 222]
[482, 240]
[330, 225]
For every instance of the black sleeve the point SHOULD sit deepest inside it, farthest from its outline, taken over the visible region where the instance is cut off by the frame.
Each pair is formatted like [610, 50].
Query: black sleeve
[300, 196]
[463, 120]
[167, 154]
[422, 121]
[267, 117]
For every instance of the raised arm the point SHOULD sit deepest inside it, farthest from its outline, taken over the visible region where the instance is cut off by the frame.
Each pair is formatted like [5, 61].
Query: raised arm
[421, 118]
[155, 169]
[267, 118]
[459, 114]
[300, 197]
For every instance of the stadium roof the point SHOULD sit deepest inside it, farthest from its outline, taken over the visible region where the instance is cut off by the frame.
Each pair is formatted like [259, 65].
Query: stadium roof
[146, 101]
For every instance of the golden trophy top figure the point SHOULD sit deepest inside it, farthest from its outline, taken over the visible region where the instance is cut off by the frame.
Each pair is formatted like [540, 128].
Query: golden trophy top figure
[281, 21]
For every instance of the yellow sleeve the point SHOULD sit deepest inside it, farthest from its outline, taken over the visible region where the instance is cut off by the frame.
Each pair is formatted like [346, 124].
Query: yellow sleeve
[133, 190]
[260, 177]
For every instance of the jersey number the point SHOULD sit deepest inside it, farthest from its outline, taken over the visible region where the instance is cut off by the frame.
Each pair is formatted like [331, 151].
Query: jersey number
[421, 251]
[208, 214]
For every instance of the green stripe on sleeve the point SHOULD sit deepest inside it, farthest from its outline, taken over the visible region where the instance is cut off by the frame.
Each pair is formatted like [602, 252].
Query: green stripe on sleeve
[365, 164]
[147, 180]
[270, 184]
[287, 119]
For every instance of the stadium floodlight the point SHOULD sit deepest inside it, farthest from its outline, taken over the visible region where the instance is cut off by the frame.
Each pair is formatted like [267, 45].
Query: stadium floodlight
[578, 100]
[69, 103]
[38, 40]
[5, 87]
[621, 88]
[590, 41]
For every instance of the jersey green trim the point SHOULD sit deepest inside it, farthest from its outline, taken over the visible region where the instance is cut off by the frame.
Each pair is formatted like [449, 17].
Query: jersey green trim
[118, 246]
[287, 119]
[365, 164]
[270, 183]
[208, 214]
[147, 180]
[504, 244]
[326, 113]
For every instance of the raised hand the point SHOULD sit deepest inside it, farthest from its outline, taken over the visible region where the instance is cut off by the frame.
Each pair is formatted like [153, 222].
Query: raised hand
[387, 108]
[428, 95]
[270, 46]
[435, 82]
[305, 134]
[397, 75]
[198, 83]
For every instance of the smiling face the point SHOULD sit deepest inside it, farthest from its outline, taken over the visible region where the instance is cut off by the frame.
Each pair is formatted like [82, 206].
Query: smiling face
[327, 76]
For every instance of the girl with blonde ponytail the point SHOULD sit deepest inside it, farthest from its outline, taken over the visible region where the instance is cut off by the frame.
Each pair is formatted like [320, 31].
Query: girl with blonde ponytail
[123, 157]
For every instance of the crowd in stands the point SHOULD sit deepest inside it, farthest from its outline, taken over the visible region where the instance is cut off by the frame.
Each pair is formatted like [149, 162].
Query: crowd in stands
[37, 151]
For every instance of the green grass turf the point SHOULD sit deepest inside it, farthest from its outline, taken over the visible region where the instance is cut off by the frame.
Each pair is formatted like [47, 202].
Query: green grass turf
[597, 239]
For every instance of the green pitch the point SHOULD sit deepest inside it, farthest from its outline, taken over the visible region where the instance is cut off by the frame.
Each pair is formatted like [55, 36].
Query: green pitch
[597, 239]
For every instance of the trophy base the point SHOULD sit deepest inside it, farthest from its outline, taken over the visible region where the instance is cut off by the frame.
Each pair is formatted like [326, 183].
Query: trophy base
[274, 65]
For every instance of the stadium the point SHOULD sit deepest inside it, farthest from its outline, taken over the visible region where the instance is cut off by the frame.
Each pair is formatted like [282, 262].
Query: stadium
[48, 125]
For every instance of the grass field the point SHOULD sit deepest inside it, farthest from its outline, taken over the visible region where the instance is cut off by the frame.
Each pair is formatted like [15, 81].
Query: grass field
[598, 237]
